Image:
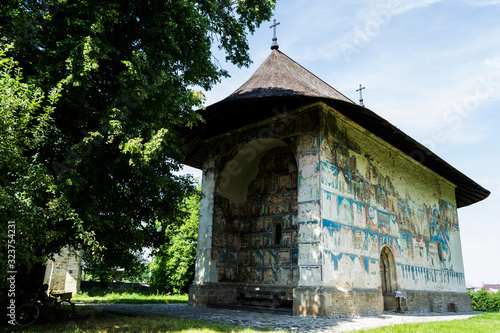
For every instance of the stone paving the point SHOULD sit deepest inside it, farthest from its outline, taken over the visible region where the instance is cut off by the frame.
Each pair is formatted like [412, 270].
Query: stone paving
[277, 321]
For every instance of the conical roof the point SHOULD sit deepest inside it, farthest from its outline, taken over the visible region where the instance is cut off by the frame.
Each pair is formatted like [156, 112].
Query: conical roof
[280, 76]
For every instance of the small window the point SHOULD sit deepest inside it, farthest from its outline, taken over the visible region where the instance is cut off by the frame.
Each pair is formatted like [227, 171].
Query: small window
[278, 234]
[440, 251]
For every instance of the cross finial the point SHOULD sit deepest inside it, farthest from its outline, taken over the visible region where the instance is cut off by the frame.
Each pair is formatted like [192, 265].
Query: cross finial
[360, 95]
[274, 46]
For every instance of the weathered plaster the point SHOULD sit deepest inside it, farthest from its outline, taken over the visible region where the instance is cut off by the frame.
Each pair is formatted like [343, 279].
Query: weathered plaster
[205, 267]
[63, 273]
[374, 195]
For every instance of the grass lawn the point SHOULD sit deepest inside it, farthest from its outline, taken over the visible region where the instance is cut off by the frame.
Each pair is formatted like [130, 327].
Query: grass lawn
[98, 296]
[136, 324]
[486, 322]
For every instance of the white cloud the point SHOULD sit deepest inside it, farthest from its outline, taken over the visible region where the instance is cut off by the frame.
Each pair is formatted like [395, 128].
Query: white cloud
[482, 2]
[494, 61]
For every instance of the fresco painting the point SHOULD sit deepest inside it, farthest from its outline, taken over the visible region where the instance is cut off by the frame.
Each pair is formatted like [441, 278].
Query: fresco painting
[327, 151]
[309, 254]
[308, 141]
[359, 215]
[342, 156]
[392, 204]
[242, 241]
[309, 211]
[381, 198]
[329, 206]
[246, 258]
[393, 225]
[283, 275]
[346, 239]
[344, 185]
[284, 257]
[309, 176]
[414, 276]
[311, 275]
[372, 219]
[295, 275]
[361, 242]
[345, 211]
[370, 195]
[337, 206]
[380, 220]
[384, 223]
[351, 271]
[287, 239]
[433, 254]
[419, 251]
[331, 235]
[309, 232]
[329, 177]
[357, 189]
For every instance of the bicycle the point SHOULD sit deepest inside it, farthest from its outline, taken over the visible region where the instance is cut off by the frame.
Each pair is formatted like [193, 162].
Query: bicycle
[53, 307]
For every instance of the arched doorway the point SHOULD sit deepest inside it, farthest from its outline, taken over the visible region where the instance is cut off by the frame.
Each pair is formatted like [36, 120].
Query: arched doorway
[388, 278]
[255, 230]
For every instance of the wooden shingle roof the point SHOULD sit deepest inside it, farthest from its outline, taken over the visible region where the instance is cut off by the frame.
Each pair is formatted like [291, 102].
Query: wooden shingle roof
[279, 84]
[280, 76]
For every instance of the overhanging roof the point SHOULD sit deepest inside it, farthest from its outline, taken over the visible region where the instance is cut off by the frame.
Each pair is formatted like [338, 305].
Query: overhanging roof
[280, 83]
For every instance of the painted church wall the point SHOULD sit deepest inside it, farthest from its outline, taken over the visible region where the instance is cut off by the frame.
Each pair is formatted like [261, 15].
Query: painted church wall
[256, 189]
[309, 203]
[373, 196]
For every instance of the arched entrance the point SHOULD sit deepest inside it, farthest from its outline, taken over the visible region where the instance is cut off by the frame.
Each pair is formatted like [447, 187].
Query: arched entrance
[255, 230]
[388, 278]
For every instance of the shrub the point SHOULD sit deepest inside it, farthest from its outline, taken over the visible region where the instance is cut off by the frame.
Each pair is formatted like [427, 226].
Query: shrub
[485, 301]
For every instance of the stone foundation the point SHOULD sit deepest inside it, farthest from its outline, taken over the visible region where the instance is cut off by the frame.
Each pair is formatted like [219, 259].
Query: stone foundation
[418, 301]
[332, 302]
[223, 293]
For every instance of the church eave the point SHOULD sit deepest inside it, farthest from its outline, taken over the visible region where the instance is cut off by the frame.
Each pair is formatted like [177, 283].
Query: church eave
[467, 191]
[229, 115]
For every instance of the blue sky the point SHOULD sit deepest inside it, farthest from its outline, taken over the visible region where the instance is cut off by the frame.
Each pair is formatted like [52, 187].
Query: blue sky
[430, 67]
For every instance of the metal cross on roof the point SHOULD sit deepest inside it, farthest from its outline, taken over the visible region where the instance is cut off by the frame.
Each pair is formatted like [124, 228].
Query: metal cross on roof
[274, 46]
[360, 95]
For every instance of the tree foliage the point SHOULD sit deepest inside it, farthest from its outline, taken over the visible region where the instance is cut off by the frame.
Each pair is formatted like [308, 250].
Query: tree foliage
[174, 264]
[100, 163]
[135, 262]
[28, 195]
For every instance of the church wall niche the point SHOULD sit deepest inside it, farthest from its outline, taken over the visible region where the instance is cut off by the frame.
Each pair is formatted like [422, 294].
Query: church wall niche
[255, 218]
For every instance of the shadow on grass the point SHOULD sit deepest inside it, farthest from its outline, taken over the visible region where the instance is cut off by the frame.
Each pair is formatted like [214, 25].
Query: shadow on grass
[135, 324]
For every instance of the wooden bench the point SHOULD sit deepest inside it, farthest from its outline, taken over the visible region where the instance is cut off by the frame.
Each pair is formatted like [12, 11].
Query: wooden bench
[63, 296]
[258, 296]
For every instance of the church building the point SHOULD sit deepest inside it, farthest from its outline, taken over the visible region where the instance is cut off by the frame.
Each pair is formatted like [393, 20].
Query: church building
[314, 197]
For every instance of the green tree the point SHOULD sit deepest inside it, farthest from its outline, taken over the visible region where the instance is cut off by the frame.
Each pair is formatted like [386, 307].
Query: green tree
[27, 187]
[134, 262]
[129, 73]
[174, 264]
